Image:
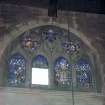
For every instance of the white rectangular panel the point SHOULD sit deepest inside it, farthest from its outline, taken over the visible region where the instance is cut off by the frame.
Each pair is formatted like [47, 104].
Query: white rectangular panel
[40, 76]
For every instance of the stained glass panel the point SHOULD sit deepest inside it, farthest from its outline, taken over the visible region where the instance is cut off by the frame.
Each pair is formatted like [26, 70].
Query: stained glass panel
[17, 68]
[30, 42]
[84, 76]
[71, 47]
[62, 72]
[50, 33]
[40, 62]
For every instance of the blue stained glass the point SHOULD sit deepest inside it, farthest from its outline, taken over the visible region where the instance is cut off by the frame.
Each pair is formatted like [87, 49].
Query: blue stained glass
[49, 35]
[84, 76]
[71, 47]
[62, 72]
[40, 61]
[17, 68]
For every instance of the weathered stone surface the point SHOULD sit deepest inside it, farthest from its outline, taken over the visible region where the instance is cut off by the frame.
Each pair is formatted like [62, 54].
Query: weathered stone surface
[45, 97]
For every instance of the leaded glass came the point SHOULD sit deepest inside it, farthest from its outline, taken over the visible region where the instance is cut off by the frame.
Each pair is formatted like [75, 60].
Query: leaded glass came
[62, 72]
[84, 76]
[30, 42]
[40, 62]
[17, 68]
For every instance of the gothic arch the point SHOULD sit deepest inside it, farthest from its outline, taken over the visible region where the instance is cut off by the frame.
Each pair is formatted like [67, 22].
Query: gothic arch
[40, 61]
[78, 34]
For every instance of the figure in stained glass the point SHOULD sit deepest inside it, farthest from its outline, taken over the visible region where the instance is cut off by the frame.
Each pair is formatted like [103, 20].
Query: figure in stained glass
[30, 42]
[50, 33]
[62, 71]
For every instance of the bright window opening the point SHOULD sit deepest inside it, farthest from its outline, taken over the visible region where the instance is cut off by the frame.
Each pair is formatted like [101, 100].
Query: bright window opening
[40, 76]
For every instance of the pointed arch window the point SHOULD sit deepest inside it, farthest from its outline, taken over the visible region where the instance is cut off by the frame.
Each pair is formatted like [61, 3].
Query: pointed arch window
[62, 70]
[17, 69]
[40, 62]
[40, 70]
[84, 73]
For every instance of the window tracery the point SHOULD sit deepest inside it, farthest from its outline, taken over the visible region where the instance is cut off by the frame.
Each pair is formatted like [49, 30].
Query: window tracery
[55, 41]
[30, 42]
[71, 47]
[50, 33]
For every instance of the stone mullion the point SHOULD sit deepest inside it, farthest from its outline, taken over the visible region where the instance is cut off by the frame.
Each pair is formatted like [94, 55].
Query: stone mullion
[51, 77]
[28, 73]
[74, 75]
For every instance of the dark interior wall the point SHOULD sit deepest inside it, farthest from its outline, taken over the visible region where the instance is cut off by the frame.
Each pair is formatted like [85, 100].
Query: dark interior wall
[90, 6]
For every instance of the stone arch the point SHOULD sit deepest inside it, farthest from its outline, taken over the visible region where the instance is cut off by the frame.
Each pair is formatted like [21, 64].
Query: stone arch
[32, 24]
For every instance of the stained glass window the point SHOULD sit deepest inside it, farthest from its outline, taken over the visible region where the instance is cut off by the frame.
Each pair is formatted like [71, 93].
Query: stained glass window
[50, 33]
[30, 42]
[17, 68]
[40, 62]
[62, 72]
[71, 47]
[84, 76]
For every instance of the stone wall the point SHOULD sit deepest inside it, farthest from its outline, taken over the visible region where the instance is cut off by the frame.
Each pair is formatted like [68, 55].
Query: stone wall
[46, 97]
